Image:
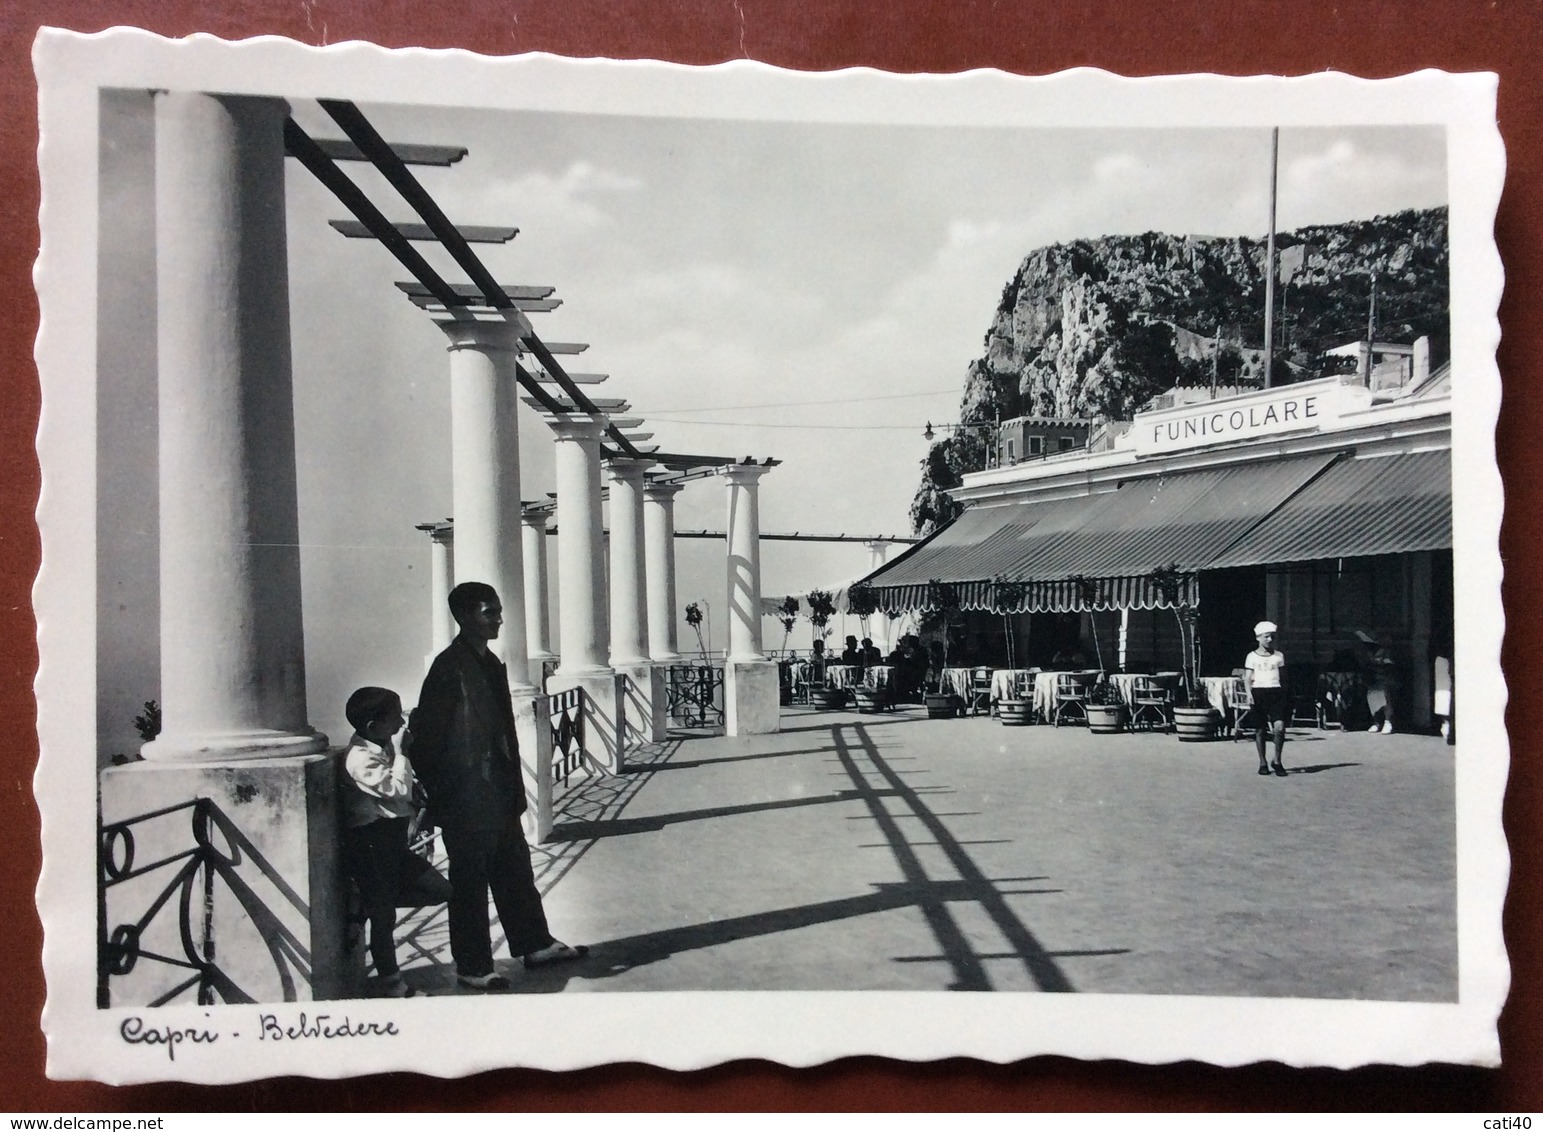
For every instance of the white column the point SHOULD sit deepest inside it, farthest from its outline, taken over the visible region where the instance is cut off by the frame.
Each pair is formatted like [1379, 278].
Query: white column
[441, 580]
[879, 624]
[485, 475]
[744, 561]
[659, 549]
[580, 574]
[643, 687]
[538, 622]
[232, 650]
[581, 610]
[629, 614]
[750, 691]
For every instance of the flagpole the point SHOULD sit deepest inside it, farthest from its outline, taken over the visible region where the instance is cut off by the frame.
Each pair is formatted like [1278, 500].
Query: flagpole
[1269, 265]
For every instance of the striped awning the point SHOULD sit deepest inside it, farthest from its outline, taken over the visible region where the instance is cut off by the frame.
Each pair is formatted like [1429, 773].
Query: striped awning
[1099, 551]
[1371, 505]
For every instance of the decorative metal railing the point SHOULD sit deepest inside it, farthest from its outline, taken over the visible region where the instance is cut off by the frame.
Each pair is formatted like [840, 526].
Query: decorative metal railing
[696, 695]
[567, 712]
[192, 881]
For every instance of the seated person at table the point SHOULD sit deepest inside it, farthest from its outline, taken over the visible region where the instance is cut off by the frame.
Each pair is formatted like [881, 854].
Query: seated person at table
[850, 654]
[871, 654]
[817, 659]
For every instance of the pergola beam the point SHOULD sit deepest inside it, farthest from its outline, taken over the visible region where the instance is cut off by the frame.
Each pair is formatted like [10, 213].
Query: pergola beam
[410, 153]
[362, 134]
[471, 233]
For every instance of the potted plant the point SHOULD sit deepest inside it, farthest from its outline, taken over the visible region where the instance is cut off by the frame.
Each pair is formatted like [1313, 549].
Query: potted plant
[943, 604]
[1105, 708]
[863, 603]
[1194, 719]
[694, 619]
[1007, 597]
[821, 609]
[1088, 593]
[787, 613]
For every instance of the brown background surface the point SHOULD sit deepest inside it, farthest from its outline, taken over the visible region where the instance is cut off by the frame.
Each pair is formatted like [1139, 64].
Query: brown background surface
[1372, 38]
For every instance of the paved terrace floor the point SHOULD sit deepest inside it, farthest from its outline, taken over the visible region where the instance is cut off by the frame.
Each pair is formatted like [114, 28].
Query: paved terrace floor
[893, 852]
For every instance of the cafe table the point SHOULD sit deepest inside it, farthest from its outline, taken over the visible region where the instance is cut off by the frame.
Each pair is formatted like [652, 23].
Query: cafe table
[956, 681]
[842, 675]
[1216, 690]
[1125, 682]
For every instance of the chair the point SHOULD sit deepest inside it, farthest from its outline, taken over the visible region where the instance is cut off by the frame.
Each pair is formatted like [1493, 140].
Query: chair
[980, 691]
[1302, 703]
[1150, 700]
[1337, 691]
[1071, 694]
[1240, 708]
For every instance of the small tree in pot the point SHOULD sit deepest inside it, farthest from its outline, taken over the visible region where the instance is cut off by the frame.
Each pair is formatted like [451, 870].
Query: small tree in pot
[1105, 708]
[694, 619]
[944, 603]
[863, 603]
[1194, 718]
[821, 609]
[787, 613]
[1007, 598]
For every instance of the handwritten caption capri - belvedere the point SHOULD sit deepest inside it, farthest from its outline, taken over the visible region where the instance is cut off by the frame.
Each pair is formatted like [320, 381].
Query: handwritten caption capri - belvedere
[135, 1031]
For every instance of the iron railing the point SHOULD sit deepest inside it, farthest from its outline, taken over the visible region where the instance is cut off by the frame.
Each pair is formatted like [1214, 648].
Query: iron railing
[193, 873]
[567, 712]
[696, 695]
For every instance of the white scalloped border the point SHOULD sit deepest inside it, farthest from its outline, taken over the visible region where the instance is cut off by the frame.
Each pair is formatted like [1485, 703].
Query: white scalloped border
[798, 1029]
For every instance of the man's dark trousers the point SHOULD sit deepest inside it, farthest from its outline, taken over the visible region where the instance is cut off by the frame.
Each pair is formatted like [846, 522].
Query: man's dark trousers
[498, 860]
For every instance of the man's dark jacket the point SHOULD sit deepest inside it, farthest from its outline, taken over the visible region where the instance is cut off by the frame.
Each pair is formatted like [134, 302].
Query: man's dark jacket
[464, 748]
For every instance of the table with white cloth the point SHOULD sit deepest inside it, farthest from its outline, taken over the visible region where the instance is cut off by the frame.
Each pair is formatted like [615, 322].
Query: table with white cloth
[879, 676]
[1045, 687]
[1216, 689]
[1125, 682]
[842, 675]
[956, 681]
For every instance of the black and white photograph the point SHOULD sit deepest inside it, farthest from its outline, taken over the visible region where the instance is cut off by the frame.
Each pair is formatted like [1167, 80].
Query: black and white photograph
[552, 562]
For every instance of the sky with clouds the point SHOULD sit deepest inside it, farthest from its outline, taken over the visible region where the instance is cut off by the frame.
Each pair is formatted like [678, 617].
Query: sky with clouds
[812, 293]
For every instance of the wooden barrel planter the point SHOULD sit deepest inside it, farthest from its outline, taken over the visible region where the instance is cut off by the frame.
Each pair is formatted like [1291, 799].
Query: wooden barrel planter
[942, 705]
[1194, 724]
[1013, 713]
[1105, 719]
[828, 699]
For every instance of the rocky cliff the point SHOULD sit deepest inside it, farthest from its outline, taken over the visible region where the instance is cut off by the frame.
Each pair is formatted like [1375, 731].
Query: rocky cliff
[1096, 328]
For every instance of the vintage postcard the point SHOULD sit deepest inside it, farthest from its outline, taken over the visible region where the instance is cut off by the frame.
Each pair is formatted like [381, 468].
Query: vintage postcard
[549, 562]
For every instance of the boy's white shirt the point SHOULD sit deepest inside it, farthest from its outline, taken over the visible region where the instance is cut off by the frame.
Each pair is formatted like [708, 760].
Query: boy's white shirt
[380, 774]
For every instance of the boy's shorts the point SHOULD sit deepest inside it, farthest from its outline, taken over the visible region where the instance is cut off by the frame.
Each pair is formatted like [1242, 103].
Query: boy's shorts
[387, 873]
[1270, 705]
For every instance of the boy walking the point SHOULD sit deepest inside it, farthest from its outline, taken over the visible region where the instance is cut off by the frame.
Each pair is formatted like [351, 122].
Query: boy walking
[1263, 671]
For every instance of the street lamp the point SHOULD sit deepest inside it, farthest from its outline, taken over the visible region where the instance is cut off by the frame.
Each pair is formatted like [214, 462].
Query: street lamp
[929, 432]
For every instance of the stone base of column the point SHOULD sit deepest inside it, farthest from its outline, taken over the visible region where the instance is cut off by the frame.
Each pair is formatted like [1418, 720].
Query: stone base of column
[268, 832]
[751, 704]
[646, 699]
[533, 729]
[232, 746]
[603, 714]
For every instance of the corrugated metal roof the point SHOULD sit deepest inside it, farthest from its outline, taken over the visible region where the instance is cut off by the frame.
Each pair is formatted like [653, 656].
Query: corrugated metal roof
[1149, 523]
[1184, 519]
[1372, 505]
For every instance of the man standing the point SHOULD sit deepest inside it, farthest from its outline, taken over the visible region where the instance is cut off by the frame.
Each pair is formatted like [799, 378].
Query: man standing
[465, 754]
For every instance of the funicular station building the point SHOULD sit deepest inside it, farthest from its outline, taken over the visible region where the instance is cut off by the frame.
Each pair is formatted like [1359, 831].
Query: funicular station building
[1324, 506]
